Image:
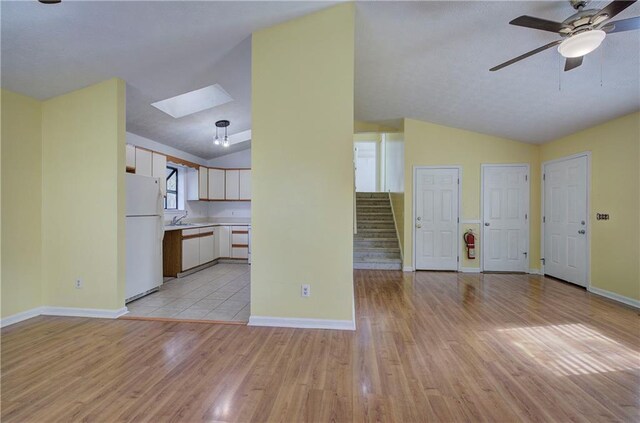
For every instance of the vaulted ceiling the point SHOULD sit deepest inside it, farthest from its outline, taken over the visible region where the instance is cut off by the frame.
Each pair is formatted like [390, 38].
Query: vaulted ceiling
[423, 60]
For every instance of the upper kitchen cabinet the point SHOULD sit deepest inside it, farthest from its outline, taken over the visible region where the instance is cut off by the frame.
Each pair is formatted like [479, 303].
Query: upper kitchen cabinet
[159, 169]
[131, 158]
[232, 183]
[144, 162]
[203, 176]
[216, 184]
[245, 184]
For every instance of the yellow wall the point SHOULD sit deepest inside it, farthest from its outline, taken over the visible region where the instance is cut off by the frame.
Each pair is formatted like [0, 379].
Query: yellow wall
[83, 197]
[615, 189]
[428, 144]
[22, 203]
[302, 149]
[360, 126]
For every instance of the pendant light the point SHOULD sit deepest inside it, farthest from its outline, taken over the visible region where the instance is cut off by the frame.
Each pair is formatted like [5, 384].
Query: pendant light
[216, 140]
[225, 141]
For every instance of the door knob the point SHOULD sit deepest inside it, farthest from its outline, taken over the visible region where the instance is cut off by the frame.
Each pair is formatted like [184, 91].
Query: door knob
[486, 224]
[418, 225]
[582, 231]
[419, 218]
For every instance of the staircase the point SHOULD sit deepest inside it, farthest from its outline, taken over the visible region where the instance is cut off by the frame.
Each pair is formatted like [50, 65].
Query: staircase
[375, 246]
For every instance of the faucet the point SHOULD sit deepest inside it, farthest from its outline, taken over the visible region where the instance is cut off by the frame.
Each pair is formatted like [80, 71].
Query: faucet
[176, 220]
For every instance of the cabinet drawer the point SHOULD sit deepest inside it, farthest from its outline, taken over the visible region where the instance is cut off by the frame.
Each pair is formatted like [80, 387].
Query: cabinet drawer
[190, 232]
[240, 252]
[208, 230]
[237, 238]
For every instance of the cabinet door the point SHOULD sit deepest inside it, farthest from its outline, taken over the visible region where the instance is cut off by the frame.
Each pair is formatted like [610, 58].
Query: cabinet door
[159, 170]
[131, 157]
[232, 183]
[190, 253]
[225, 241]
[216, 243]
[203, 176]
[216, 184]
[245, 184]
[206, 248]
[143, 162]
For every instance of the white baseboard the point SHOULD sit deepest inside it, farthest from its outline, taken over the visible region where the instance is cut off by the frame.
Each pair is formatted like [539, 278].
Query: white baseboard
[19, 317]
[63, 311]
[293, 322]
[98, 313]
[535, 272]
[470, 269]
[616, 297]
[407, 269]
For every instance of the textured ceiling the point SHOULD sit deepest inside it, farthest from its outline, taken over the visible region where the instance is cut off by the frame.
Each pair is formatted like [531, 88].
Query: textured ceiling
[422, 60]
[161, 49]
[431, 60]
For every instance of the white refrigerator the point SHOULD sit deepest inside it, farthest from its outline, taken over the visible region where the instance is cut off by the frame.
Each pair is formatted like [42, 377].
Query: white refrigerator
[145, 231]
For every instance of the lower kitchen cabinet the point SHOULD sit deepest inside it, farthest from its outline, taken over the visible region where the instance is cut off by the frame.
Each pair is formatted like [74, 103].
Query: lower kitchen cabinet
[189, 248]
[207, 241]
[224, 241]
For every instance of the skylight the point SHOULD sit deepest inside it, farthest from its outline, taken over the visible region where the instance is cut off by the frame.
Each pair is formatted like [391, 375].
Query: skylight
[194, 101]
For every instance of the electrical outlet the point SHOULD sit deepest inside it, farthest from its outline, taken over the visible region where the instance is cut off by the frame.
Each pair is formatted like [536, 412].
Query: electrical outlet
[78, 283]
[306, 291]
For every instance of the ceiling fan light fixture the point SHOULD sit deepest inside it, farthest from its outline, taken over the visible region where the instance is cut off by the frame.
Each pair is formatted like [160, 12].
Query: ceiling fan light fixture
[581, 44]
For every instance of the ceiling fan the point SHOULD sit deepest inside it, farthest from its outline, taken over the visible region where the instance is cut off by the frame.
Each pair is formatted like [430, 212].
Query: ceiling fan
[581, 33]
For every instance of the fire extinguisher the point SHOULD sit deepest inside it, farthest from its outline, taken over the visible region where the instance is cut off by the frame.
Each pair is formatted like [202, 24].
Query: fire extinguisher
[470, 241]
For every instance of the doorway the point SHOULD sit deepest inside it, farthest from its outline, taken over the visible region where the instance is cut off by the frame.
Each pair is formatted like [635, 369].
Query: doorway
[565, 219]
[436, 214]
[505, 217]
[366, 164]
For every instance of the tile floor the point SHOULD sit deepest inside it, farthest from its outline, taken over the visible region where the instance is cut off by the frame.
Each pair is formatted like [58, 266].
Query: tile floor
[220, 292]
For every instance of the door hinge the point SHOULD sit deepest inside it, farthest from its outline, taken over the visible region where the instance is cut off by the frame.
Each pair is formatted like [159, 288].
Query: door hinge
[458, 220]
[526, 216]
[544, 219]
[458, 181]
[526, 178]
[542, 260]
[544, 176]
[458, 259]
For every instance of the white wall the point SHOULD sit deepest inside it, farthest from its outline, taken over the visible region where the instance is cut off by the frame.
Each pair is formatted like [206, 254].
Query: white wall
[233, 160]
[394, 162]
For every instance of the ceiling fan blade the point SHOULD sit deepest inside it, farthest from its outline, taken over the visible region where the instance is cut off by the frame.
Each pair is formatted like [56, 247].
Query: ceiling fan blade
[614, 8]
[572, 63]
[524, 56]
[622, 25]
[537, 23]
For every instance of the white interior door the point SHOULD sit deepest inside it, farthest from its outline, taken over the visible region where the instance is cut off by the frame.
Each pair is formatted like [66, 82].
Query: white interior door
[436, 219]
[565, 220]
[366, 166]
[506, 218]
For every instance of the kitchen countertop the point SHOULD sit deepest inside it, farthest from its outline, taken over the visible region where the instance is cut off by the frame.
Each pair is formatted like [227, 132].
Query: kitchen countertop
[196, 225]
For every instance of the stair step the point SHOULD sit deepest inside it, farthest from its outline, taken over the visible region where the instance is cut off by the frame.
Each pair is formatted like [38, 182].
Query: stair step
[374, 233]
[360, 244]
[374, 216]
[364, 224]
[363, 195]
[377, 266]
[375, 255]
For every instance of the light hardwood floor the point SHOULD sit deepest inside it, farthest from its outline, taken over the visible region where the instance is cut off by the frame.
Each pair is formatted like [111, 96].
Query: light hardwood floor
[429, 347]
